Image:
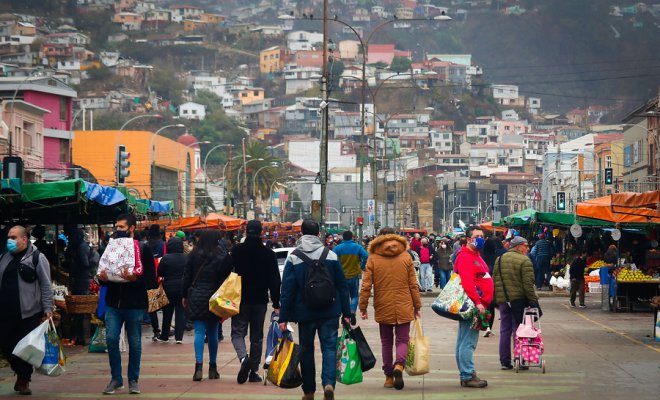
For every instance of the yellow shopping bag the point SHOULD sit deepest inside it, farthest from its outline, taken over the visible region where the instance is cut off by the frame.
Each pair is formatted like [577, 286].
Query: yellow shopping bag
[226, 301]
[417, 361]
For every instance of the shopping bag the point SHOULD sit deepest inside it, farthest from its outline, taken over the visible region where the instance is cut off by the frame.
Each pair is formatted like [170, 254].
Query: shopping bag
[417, 360]
[226, 301]
[32, 347]
[98, 344]
[284, 370]
[157, 298]
[452, 302]
[53, 362]
[481, 322]
[120, 256]
[367, 358]
[349, 370]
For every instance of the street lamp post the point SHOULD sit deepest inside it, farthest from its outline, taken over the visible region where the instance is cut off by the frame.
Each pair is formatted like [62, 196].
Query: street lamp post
[224, 179]
[185, 201]
[244, 168]
[206, 175]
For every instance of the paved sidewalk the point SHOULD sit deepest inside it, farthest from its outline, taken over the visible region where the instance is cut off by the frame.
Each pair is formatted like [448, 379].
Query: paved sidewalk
[589, 355]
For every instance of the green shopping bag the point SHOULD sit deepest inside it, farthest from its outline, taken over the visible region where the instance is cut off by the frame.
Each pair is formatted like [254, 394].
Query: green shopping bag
[349, 369]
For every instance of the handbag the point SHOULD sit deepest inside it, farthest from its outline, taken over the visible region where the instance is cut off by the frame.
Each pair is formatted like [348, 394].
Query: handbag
[367, 358]
[417, 359]
[32, 347]
[283, 370]
[518, 305]
[226, 301]
[349, 370]
[453, 302]
[157, 298]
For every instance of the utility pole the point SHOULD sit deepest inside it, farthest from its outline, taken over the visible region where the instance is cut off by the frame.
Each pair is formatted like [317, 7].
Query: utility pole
[323, 170]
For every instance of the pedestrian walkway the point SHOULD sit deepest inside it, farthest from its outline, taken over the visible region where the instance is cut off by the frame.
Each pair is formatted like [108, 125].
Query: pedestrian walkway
[589, 354]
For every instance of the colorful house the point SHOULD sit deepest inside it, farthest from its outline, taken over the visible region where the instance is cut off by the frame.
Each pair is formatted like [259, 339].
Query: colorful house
[271, 60]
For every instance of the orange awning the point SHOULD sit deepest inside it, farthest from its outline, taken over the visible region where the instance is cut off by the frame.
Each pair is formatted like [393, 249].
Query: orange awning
[625, 208]
[225, 221]
[488, 226]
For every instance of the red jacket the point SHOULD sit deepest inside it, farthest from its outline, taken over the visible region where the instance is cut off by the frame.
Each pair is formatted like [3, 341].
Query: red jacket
[415, 244]
[476, 281]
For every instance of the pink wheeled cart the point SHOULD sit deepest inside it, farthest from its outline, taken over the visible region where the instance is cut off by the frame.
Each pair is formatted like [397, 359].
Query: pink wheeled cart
[528, 349]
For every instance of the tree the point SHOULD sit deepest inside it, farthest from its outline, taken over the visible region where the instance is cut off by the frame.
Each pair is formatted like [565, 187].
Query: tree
[164, 82]
[400, 64]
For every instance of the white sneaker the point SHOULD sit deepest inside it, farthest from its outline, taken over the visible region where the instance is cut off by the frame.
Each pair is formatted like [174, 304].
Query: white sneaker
[488, 333]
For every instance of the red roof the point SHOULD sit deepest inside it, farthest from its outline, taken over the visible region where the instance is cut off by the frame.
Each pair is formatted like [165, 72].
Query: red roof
[187, 139]
[381, 48]
[441, 123]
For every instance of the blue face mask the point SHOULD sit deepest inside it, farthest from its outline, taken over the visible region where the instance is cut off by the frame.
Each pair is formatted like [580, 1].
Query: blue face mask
[479, 243]
[11, 245]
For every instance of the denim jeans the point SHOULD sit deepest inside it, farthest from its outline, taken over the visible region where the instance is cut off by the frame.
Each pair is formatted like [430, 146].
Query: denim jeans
[327, 330]
[508, 328]
[444, 278]
[353, 292]
[466, 343]
[426, 276]
[132, 321]
[208, 328]
[542, 266]
[387, 339]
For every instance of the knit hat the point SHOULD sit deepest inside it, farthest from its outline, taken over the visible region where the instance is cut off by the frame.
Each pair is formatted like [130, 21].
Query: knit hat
[180, 234]
[517, 241]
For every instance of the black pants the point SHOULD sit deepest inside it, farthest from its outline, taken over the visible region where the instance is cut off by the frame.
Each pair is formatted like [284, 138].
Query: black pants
[175, 307]
[11, 332]
[153, 317]
[252, 315]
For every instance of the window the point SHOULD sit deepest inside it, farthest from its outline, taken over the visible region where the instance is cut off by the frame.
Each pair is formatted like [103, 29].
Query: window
[608, 162]
[185, 112]
[255, 93]
[194, 111]
[445, 136]
[64, 151]
[64, 108]
[348, 178]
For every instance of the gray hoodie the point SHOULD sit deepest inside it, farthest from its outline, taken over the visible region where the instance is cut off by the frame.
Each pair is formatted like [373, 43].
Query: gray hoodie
[37, 296]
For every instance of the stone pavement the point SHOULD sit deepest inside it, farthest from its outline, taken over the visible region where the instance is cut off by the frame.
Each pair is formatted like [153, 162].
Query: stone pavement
[590, 355]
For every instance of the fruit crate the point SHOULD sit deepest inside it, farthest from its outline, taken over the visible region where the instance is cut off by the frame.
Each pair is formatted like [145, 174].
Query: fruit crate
[594, 287]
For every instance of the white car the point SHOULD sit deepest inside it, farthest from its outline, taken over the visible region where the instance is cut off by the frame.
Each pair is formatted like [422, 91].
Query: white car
[282, 254]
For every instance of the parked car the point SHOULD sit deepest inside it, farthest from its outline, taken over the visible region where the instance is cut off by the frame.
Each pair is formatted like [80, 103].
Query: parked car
[282, 254]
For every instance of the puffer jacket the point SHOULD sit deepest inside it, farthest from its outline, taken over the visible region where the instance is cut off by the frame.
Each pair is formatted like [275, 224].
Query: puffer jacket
[210, 278]
[172, 267]
[391, 272]
[517, 274]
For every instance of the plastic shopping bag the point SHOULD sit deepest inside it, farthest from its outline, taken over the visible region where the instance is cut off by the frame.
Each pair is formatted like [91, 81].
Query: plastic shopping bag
[32, 347]
[53, 362]
[284, 370]
[98, 344]
[417, 361]
[120, 256]
[226, 301]
[349, 370]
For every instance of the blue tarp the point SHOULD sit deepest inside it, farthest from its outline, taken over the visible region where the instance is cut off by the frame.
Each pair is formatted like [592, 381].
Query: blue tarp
[160, 206]
[104, 195]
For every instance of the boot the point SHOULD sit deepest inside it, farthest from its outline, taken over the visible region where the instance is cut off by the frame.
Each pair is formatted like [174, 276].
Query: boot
[389, 382]
[398, 376]
[198, 372]
[213, 371]
[22, 386]
[474, 382]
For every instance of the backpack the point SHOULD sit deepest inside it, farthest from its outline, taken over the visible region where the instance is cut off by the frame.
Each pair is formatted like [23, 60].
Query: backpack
[319, 290]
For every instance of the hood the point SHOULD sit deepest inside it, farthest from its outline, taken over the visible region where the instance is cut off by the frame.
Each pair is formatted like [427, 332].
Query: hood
[309, 243]
[388, 245]
[175, 245]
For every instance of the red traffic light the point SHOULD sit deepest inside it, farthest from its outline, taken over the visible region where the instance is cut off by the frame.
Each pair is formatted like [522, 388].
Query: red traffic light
[360, 220]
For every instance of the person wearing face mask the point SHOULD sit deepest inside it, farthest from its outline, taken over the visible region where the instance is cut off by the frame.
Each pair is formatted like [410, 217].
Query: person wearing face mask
[26, 296]
[513, 276]
[478, 285]
[444, 265]
[426, 257]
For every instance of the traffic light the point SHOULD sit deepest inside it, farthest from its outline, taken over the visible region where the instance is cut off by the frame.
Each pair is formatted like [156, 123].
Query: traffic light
[122, 164]
[561, 201]
[608, 176]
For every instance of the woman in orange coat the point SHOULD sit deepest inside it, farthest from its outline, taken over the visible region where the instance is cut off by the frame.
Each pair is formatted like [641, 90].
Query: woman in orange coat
[391, 273]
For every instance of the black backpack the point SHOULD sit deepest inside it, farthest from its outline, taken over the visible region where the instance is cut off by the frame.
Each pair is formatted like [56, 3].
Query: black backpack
[319, 290]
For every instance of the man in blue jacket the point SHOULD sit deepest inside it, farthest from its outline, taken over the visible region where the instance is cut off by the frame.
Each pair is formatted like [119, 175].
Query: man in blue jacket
[310, 320]
[353, 258]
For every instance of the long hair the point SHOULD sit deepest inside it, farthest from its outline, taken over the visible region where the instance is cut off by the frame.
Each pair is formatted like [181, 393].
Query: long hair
[207, 245]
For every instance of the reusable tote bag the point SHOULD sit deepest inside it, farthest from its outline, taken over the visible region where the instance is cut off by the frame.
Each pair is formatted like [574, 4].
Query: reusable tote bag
[283, 370]
[417, 361]
[367, 358]
[349, 370]
[32, 347]
[226, 301]
[452, 302]
[54, 362]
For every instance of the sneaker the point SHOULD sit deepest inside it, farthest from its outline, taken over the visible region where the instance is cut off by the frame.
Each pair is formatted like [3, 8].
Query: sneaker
[179, 342]
[474, 382]
[243, 372]
[112, 387]
[159, 340]
[582, 306]
[398, 376]
[506, 367]
[488, 332]
[572, 304]
[133, 387]
[254, 377]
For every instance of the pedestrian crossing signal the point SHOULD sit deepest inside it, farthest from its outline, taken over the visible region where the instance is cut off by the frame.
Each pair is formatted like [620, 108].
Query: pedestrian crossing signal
[561, 201]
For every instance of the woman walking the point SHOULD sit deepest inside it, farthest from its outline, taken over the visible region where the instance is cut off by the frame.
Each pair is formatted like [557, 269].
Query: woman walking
[391, 273]
[170, 270]
[203, 275]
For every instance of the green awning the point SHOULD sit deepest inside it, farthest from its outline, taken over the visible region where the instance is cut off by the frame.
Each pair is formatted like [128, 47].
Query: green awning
[521, 217]
[51, 190]
[565, 219]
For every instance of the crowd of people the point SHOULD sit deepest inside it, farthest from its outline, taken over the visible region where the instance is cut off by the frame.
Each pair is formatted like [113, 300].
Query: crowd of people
[496, 273]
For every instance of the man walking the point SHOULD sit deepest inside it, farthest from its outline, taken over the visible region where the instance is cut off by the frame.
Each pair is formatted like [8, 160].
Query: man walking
[543, 253]
[26, 296]
[353, 258]
[257, 266]
[513, 277]
[576, 272]
[315, 312]
[126, 304]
